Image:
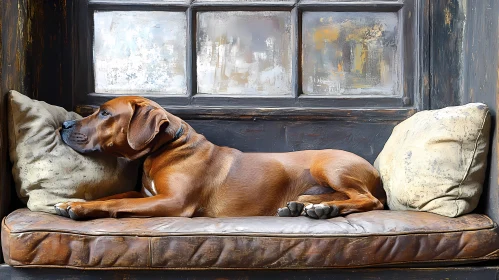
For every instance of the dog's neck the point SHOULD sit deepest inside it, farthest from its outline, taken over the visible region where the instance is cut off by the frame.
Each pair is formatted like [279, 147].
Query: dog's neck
[176, 136]
[166, 138]
[175, 129]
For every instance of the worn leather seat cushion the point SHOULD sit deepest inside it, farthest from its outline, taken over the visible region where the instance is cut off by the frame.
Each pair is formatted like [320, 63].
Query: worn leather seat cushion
[376, 238]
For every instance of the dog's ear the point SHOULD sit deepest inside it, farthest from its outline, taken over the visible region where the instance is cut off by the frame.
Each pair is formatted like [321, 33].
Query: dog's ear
[144, 125]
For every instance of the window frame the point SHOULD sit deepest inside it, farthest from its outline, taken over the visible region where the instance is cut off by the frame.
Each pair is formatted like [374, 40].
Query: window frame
[412, 45]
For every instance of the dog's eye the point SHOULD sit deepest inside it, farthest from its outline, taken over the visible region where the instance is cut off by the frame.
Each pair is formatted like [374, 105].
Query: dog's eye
[104, 113]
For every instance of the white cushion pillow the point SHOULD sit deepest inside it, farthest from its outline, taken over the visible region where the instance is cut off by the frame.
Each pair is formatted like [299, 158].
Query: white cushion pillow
[46, 171]
[435, 161]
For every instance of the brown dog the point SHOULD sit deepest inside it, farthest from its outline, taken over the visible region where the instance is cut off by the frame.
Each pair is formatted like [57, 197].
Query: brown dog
[185, 175]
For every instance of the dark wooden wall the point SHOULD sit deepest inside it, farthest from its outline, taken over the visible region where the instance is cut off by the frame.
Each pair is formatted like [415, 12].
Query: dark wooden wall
[15, 42]
[480, 81]
[33, 43]
[361, 137]
[464, 68]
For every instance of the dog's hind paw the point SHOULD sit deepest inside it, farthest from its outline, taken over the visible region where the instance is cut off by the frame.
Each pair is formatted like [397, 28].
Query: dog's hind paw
[292, 209]
[321, 211]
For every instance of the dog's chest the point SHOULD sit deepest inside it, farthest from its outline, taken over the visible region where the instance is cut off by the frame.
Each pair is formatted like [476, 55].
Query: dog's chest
[148, 186]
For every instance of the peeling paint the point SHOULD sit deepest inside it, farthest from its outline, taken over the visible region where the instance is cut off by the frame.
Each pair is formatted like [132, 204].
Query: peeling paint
[448, 16]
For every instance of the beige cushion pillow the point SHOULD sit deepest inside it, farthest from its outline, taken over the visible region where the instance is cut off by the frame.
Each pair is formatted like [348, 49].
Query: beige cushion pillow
[435, 161]
[46, 171]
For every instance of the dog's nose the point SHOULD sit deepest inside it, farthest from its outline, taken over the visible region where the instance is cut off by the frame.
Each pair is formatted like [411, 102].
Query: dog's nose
[68, 124]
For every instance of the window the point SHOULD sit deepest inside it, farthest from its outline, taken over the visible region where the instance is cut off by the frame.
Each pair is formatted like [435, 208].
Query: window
[280, 57]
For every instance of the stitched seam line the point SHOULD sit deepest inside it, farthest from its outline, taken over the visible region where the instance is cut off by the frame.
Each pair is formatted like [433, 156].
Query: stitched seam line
[10, 118]
[492, 225]
[457, 260]
[253, 234]
[352, 236]
[471, 163]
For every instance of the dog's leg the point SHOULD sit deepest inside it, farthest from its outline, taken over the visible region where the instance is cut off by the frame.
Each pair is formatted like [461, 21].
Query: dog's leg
[349, 183]
[318, 198]
[131, 194]
[61, 208]
[154, 206]
[359, 201]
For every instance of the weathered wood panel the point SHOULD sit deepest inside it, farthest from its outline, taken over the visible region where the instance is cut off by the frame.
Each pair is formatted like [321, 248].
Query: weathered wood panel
[33, 37]
[463, 69]
[480, 81]
[448, 19]
[424, 59]
[15, 42]
[51, 45]
[288, 114]
[362, 138]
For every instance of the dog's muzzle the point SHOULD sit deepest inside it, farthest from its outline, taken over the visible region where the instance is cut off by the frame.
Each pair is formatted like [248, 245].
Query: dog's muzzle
[70, 136]
[68, 124]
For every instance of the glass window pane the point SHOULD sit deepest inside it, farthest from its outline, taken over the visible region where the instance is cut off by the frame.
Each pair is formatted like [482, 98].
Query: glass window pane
[243, 1]
[140, 1]
[332, 1]
[140, 51]
[244, 53]
[350, 53]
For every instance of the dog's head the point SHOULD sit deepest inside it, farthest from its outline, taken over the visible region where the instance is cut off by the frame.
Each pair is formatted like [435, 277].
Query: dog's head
[124, 126]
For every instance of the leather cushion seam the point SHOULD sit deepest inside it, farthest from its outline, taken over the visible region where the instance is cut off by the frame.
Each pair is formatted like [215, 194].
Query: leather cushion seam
[304, 235]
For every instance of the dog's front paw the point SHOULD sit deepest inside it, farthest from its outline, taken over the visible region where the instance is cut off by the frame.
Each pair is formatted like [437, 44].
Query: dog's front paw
[62, 209]
[321, 211]
[66, 209]
[292, 209]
